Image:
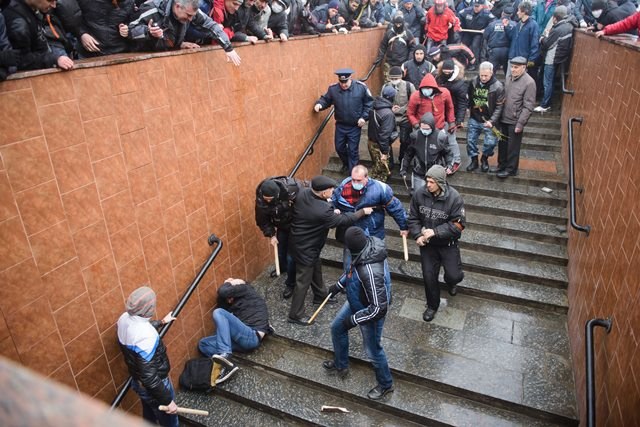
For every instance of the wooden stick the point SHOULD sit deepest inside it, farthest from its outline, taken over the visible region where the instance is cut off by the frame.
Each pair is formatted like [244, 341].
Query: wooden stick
[277, 259]
[406, 249]
[185, 410]
[318, 310]
[465, 30]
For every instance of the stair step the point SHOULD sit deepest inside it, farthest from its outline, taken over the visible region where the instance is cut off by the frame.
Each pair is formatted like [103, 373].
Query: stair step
[474, 283]
[494, 241]
[511, 357]
[533, 130]
[412, 399]
[298, 399]
[227, 412]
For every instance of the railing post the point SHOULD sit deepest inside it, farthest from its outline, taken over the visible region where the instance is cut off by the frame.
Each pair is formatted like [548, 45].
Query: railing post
[572, 181]
[590, 368]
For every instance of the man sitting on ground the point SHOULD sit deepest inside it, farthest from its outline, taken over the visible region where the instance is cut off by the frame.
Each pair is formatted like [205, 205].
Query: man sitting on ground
[241, 320]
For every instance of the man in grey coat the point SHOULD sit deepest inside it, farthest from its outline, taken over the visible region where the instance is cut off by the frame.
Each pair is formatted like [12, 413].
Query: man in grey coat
[520, 98]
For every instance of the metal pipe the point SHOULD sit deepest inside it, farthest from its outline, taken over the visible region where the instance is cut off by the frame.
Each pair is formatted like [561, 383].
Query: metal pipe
[563, 80]
[572, 178]
[590, 366]
[176, 311]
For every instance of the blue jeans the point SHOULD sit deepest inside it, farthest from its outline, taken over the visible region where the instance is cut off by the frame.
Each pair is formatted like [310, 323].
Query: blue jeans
[549, 75]
[473, 136]
[347, 143]
[286, 261]
[150, 411]
[231, 334]
[371, 337]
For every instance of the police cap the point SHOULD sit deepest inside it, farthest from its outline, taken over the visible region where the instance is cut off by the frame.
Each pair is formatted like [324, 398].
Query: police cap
[344, 74]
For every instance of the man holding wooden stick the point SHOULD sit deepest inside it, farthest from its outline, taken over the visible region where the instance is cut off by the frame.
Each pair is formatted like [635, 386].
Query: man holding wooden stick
[368, 297]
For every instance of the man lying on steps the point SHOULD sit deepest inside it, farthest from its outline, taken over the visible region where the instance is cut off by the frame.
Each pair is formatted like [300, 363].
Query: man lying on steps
[241, 320]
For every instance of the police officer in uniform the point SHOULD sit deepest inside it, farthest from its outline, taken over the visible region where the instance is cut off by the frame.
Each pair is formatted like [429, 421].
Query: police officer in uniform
[497, 41]
[352, 101]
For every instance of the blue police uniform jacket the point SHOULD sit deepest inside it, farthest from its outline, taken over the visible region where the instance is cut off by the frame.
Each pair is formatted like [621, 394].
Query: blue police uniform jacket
[378, 195]
[351, 104]
[495, 34]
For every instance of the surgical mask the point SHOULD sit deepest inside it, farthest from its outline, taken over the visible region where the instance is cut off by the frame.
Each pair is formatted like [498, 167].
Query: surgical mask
[426, 132]
[596, 13]
[357, 186]
[276, 7]
[427, 92]
[395, 82]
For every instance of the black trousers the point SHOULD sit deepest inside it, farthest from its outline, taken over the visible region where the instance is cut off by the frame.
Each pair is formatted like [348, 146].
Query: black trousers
[307, 275]
[434, 257]
[509, 149]
[499, 57]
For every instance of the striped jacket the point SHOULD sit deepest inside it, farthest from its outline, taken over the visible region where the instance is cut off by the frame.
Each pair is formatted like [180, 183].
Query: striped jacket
[365, 285]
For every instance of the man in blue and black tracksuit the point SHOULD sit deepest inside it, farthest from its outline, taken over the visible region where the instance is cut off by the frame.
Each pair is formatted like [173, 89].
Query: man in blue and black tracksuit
[352, 101]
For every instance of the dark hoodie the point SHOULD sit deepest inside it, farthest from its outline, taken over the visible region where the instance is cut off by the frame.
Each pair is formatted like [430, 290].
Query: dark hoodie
[458, 89]
[382, 123]
[396, 46]
[612, 12]
[425, 151]
[440, 104]
[415, 71]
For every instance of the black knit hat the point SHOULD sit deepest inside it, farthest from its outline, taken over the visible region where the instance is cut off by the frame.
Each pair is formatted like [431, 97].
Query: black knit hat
[321, 183]
[269, 188]
[355, 239]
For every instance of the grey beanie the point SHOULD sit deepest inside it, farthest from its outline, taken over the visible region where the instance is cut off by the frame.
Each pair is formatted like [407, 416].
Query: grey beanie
[439, 175]
[142, 302]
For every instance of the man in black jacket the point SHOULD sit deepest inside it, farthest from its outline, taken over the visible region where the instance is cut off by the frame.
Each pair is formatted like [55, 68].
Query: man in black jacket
[313, 216]
[274, 210]
[429, 146]
[368, 298]
[436, 221]
[382, 133]
[396, 45]
[146, 356]
[242, 322]
[8, 55]
[25, 29]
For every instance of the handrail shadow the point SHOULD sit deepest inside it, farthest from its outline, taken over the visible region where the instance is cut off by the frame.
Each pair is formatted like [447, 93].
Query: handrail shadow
[572, 179]
[213, 239]
[563, 79]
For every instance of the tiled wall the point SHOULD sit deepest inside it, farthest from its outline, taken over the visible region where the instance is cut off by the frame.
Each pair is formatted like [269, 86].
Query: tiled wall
[604, 268]
[114, 176]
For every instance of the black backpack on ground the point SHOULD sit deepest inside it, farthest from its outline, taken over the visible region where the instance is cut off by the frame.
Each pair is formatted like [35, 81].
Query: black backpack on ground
[200, 374]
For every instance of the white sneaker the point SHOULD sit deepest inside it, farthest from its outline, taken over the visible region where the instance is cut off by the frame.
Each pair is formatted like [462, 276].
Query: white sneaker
[541, 109]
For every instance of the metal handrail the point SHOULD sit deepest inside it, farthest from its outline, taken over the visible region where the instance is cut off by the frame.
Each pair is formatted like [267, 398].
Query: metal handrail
[213, 239]
[309, 150]
[572, 179]
[563, 77]
[591, 386]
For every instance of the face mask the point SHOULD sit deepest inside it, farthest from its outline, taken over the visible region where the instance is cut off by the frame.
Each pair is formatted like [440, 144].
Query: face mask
[596, 13]
[427, 92]
[276, 7]
[426, 132]
[395, 82]
[357, 186]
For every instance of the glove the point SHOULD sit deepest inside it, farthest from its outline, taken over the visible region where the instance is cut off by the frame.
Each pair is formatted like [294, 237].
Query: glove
[583, 24]
[9, 57]
[347, 323]
[334, 290]
[530, 64]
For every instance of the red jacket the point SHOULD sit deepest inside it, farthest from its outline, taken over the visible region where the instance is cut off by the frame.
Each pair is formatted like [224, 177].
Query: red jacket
[441, 105]
[219, 14]
[437, 26]
[629, 23]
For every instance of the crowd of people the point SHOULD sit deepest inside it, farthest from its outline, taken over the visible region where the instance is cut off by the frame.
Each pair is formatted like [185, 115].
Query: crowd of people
[38, 34]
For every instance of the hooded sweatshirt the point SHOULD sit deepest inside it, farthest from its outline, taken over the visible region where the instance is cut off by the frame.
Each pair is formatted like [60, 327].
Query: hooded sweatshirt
[439, 104]
[425, 151]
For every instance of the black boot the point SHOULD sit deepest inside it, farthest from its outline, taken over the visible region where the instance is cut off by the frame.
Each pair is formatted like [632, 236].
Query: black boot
[484, 161]
[473, 165]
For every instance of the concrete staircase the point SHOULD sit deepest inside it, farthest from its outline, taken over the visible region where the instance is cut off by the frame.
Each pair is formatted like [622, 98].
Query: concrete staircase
[496, 355]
